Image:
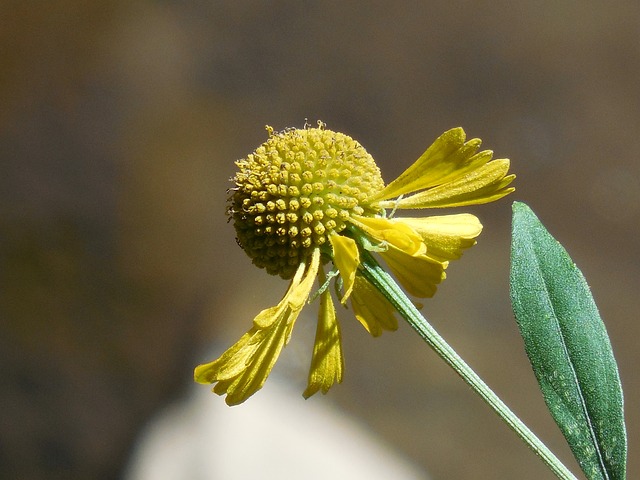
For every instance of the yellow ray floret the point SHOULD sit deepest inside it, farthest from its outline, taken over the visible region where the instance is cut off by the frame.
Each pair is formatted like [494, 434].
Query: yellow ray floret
[449, 174]
[371, 308]
[446, 236]
[346, 258]
[242, 369]
[327, 363]
[406, 254]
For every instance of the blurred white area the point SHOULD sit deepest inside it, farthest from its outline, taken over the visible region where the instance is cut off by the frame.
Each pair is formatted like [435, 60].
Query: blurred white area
[274, 435]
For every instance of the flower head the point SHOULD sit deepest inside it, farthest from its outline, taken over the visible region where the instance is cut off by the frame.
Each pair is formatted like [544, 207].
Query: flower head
[309, 197]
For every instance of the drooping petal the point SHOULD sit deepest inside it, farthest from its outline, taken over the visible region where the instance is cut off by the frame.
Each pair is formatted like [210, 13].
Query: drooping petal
[390, 232]
[327, 362]
[371, 309]
[446, 159]
[405, 252]
[482, 185]
[242, 370]
[347, 258]
[418, 274]
[446, 236]
[300, 292]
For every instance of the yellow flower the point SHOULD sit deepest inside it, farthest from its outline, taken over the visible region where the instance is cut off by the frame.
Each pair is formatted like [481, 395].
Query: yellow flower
[307, 197]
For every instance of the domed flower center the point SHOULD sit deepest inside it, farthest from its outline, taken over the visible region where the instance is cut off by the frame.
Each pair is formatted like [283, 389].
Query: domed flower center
[296, 189]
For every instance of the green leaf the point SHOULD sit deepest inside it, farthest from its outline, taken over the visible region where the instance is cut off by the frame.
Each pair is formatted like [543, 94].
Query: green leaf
[568, 347]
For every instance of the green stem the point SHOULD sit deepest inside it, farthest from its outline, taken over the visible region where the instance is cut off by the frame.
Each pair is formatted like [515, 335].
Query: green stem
[378, 277]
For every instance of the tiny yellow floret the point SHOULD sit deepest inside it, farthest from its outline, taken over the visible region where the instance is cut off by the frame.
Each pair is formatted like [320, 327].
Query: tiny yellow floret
[295, 190]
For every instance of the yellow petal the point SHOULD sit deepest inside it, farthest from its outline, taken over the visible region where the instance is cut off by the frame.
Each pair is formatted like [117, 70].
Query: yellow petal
[327, 363]
[447, 158]
[242, 370]
[446, 236]
[266, 317]
[418, 274]
[347, 258]
[393, 233]
[405, 253]
[371, 308]
[482, 185]
[300, 293]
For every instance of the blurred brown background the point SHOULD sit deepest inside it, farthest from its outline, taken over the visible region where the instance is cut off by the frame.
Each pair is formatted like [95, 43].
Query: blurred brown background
[119, 125]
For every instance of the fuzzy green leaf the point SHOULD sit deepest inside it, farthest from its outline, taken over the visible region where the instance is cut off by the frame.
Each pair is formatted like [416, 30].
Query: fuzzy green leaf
[568, 347]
